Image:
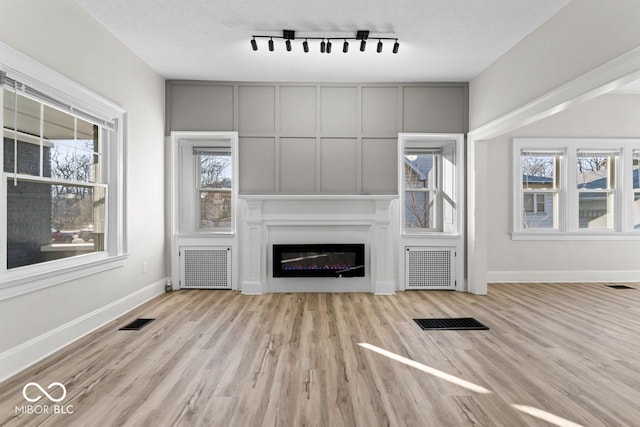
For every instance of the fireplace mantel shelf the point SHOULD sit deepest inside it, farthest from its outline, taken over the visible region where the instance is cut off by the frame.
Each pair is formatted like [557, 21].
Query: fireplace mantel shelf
[285, 219]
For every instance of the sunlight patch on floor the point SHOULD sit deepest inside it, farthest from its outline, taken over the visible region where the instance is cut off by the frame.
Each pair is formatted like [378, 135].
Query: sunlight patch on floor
[546, 416]
[424, 368]
[529, 410]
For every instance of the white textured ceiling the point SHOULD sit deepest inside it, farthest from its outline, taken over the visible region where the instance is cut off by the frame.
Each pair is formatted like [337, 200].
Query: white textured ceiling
[440, 40]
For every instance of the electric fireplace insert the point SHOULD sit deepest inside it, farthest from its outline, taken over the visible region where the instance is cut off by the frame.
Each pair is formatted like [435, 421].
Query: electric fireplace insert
[318, 260]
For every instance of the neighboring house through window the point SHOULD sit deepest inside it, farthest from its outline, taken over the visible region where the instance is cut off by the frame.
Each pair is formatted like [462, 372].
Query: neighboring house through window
[430, 175]
[421, 185]
[576, 187]
[62, 190]
[540, 189]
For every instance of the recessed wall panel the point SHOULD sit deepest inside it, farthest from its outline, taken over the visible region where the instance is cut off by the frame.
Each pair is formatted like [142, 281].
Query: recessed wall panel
[298, 109]
[201, 107]
[339, 172]
[298, 165]
[256, 165]
[339, 110]
[434, 109]
[379, 166]
[288, 131]
[380, 110]
[256, 108]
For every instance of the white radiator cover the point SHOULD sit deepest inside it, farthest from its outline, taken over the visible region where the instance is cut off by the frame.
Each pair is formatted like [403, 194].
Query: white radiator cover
[430, 268]
[205, 267]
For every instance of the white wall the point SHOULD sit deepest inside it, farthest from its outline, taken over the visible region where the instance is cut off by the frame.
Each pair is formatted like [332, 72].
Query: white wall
[555, 67]
[515, 261]
[582, 36]
[62, 36]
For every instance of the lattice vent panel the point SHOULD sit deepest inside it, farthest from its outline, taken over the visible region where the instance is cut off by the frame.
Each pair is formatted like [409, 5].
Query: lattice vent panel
[429, 268]
[206, 268]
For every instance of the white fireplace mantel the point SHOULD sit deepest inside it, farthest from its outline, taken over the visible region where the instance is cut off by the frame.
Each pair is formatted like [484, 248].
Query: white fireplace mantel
[319, 218]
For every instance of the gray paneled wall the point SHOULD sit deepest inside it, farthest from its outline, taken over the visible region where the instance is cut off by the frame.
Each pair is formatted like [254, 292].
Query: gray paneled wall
[317, 138]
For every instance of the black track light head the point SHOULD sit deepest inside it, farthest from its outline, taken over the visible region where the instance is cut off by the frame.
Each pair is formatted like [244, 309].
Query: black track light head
[254, 44]
[322, 46]
[396, 46]
[345, 47]
[270, 45]
[305, 46]
[379, 46]
[328, 46]
[288, 44]
[363, 45]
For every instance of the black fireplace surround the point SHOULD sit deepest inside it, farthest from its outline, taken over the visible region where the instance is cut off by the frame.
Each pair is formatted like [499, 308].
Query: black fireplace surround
[318, 260]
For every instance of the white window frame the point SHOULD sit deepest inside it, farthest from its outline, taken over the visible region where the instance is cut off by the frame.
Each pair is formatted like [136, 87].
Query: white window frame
[215, 148]
[558, 193]
[613, 182]
[434, 190]
[449, 181]
[568, 221]
[68, 94]
[186, 185]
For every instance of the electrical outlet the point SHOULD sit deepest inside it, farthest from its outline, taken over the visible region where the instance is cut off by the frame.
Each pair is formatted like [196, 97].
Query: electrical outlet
[145, 266]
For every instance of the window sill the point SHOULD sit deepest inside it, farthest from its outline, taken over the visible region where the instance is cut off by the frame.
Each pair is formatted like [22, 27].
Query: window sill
[42, 279]
[436, 234]
[596, 235]
[203, 234]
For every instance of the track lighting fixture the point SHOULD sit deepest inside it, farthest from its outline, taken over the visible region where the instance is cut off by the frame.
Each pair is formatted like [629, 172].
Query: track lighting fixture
[289, 36]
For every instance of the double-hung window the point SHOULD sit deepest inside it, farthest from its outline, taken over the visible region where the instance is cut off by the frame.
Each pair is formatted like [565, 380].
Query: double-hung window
[430, 182]
[596, 188]
[540, 188]
[55, 192]
[207, 184]
[422, 195]
[61, 194]
[576, 188]
[215, 183]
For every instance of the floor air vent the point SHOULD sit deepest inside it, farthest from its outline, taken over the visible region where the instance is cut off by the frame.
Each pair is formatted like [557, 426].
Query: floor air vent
[429, 268]
[451, 324]
[136, 324]
[620, 287]
[205, 268]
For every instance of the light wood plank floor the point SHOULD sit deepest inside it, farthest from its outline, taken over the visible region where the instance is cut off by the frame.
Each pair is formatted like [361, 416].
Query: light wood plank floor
[219, 358]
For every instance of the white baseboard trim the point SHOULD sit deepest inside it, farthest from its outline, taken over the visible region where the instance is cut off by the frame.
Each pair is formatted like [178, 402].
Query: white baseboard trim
[562, 276]
[251, 287]
[24, 355]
